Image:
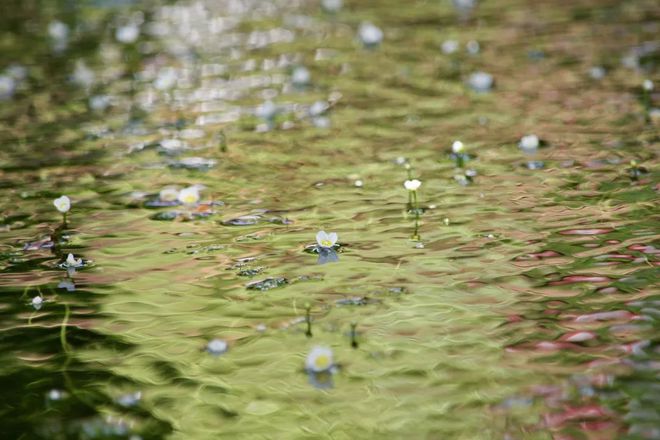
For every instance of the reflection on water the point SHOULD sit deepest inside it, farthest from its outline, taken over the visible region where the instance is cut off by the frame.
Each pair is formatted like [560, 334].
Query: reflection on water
[203, 144]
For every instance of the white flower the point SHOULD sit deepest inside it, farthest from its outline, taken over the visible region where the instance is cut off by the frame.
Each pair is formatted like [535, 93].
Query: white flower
[370, 35]
[130, 399]
[331, 5]
[63, 204]
[71, 261]
[457, 147]
[7, 87]
[127, 34]
[529, 143]
[189, 196]
[319, 360]
[58, 30]
[647, 85]
[412, 185]
[473, 47]
[37, 301]
[318, 108]
[326, 240]
[83, 75]
[166, 79]
[597, 72]
[481, 81]
[301, 76]
[168, 194]
[55, 394]
[449, 46]
[266, 111]
[216, 346]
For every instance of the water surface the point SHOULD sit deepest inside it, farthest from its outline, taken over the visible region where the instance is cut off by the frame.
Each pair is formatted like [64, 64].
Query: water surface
[521, 306]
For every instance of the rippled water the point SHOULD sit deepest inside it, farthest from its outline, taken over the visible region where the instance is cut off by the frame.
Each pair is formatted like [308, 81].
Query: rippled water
[521, 306]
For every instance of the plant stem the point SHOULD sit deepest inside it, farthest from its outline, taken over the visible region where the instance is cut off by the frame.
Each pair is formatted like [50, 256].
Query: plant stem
[308, 320]
[354, 342]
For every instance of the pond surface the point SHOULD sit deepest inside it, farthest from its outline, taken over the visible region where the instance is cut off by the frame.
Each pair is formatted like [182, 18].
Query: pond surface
[517, 303]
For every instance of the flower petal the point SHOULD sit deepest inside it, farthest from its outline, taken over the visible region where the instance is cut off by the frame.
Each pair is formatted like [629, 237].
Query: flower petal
[321, 236]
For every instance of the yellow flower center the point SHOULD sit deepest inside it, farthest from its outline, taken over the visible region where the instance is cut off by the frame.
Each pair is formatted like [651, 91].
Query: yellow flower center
[322, 362]
[189, 199]
[326, 243]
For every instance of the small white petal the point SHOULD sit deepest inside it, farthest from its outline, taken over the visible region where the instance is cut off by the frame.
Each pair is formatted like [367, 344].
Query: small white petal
[321, 236]
[168, 194]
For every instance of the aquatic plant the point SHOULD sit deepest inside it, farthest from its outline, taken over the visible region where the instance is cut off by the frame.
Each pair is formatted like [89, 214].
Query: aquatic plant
[7, 87]
[319, 359]
[647, 88]
[168, 195]
[449, 46]
[189, 196]
[325, 240]
[217, 347]
[301, 77]
[370, 35]
[73, 262]
[127, 34]
[353, 334]
[37, 302]
[481, 82]
[458, 153]
[331, 5]
[308, 319]
[529, 144]
[63, 205]
[412, 185]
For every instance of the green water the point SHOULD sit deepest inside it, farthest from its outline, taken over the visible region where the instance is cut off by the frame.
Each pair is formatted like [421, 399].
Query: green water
[521, 306]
